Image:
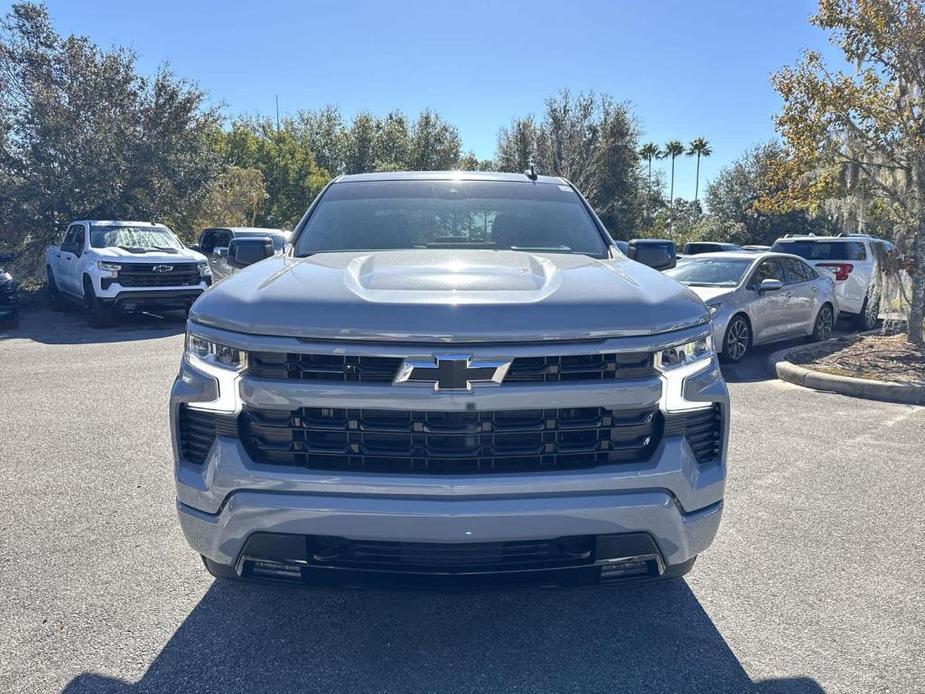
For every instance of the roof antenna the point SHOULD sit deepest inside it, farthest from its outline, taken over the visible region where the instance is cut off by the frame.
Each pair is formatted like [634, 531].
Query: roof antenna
[530, 171]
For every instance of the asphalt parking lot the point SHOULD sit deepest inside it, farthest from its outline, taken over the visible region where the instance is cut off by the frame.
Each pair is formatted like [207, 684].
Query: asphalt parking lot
[814, 583]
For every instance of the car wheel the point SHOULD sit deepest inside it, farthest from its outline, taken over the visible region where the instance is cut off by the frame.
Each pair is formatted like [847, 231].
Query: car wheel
[825, 321]
[869, 316]
[99, 315]
[737, 340]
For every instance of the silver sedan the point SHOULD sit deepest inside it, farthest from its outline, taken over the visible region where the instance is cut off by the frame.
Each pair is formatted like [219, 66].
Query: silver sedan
[756, 298]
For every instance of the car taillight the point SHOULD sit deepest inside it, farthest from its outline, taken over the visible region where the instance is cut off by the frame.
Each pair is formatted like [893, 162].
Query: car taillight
[840, 270]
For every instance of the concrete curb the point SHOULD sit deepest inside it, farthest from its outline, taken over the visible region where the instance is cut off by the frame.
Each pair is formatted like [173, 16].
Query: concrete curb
[785, 370]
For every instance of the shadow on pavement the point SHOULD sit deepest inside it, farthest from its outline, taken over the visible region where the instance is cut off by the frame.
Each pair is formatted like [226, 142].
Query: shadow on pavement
[244, 638]
[754, 367]
[69, 327]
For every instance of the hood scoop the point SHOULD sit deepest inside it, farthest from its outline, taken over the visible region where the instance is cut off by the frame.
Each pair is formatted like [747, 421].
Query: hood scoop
[425, 278]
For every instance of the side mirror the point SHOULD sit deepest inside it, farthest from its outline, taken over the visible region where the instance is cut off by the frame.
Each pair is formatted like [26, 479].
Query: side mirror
[247, 251]
[220, 251]
[69, 247]
[655, 255]
[770, 286]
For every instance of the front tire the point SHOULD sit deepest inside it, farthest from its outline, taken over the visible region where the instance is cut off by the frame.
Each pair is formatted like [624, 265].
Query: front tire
[51, 286]
[736, 341]
[825, 322]
[99, 315]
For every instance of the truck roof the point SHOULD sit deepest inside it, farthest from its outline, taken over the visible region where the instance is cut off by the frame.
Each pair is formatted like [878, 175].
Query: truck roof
[114, 222]
[447, 176]
[251, 230]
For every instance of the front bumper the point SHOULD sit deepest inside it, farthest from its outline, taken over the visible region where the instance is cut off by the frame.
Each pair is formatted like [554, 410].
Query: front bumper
[134, 300]
[229, 498]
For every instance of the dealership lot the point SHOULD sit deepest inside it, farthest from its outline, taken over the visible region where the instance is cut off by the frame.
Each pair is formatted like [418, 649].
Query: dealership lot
[813, 584]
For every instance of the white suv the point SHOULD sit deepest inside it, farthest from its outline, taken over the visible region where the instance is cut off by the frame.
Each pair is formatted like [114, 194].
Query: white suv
[853, 261]
[121, 266]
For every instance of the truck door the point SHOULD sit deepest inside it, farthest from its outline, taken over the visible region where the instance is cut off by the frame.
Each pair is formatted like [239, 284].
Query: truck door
[68, 259]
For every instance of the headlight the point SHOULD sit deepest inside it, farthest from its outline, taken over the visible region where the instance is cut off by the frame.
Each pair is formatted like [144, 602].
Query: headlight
[108, 267]
[203, 352]
[204, 269]
[687, 353]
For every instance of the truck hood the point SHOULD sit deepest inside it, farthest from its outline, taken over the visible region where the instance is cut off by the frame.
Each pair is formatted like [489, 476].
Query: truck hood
[713, 295]
[449, 296]
[184, 255]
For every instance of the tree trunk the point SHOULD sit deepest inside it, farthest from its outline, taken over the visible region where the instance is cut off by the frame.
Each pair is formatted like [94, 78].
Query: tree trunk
[671, 200]
[917, 305]
[697, 178]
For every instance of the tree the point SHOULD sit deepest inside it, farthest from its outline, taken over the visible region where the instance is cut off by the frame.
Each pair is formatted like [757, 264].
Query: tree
[517, 145]
[862, 134]
[698, 147]
[733, 199]
[324, 135]
[588, 139]
[648, 151]
[392, 147]
[84, 135]
[360, 142]
[234, 198]
[435, 143]
[673, 149]
[288, 167]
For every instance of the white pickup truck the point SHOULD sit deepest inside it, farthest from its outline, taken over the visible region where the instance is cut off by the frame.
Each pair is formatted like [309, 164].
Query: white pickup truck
[121, 266]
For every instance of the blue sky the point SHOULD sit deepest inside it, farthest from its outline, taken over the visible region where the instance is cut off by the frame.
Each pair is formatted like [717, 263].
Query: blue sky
[689, 69]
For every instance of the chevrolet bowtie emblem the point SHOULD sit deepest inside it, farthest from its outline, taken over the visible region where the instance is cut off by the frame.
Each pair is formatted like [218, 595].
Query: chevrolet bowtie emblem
[162, 268]
[452, 371]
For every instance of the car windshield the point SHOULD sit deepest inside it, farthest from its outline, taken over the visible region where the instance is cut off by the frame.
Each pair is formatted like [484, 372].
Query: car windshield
[134, 237]
[278, 240]
[710, 272]
[822, 250]
[499, 215]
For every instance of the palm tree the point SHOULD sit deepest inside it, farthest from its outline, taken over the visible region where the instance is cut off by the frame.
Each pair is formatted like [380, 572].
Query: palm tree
[673, 149]
[648, 151]
[701, 148]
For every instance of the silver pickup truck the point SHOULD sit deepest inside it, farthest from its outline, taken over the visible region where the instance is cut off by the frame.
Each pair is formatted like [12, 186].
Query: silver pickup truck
[449, 379]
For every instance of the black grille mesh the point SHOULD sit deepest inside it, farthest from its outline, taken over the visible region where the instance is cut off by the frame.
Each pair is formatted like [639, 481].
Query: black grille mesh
[322, 367]
[198, 429]
[543, 369]
[144, 275]
[400, 441]
[703, 430]
[579, 367]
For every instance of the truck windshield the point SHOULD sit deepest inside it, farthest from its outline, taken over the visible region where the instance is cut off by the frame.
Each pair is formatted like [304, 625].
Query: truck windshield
[710, 272]
[134, 237]
[499, 215]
